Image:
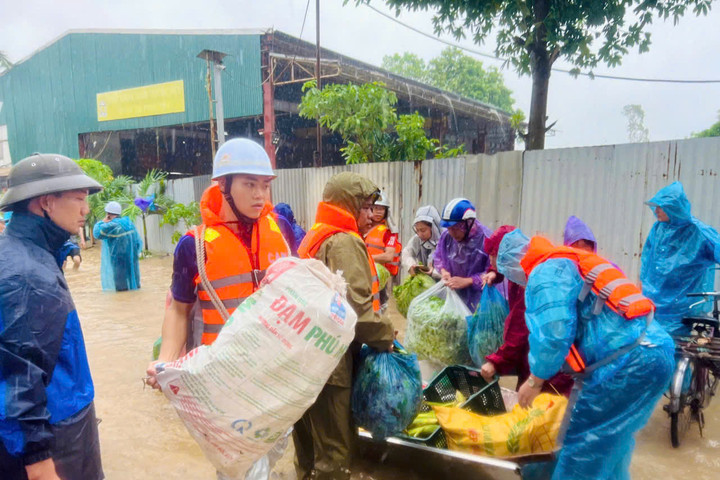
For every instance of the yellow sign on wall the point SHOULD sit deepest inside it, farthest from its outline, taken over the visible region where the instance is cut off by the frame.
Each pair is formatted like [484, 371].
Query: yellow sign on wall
[157, 99]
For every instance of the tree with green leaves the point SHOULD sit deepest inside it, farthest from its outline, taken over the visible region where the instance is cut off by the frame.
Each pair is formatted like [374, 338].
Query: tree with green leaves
[365, 116]
[150, 199]
[713, 131]
[116, 189]
[636, 129]
[534, 34]
[407, 65]
[455, 72]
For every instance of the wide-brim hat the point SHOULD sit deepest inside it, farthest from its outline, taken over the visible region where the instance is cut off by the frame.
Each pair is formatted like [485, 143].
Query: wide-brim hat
[42, 174]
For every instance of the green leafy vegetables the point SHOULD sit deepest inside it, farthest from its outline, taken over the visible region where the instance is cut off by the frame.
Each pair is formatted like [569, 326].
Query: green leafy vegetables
[409, 289]
[437, 333]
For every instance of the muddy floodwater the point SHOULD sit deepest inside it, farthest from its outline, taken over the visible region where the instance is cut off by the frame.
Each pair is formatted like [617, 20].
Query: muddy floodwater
[142, 437]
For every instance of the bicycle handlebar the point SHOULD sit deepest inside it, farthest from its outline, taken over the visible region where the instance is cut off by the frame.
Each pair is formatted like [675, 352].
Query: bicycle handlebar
[704, 294]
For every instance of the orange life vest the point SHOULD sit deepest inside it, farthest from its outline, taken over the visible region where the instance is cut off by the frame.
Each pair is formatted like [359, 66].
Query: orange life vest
[375, 241]
[233, 269]
[330, 220]
[607, 282]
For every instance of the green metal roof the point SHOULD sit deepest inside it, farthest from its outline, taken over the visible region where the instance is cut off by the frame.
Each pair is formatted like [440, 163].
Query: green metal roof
[50, 98]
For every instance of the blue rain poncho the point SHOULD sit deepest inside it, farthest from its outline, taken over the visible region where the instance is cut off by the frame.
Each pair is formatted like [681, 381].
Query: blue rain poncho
[618, 398]
[121, 247]
[575, 230]
[677, 259]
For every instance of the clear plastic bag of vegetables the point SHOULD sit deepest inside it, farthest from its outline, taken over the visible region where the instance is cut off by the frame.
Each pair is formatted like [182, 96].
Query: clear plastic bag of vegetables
[413, 286]
[436, 327]
[387, 392]
[383, 275]
[486, 327]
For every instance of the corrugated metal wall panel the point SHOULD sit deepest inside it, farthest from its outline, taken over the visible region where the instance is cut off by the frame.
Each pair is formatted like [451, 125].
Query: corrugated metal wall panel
[494, 185]
[46, 112]
[443, 180]
[606, 187]
[494, 180]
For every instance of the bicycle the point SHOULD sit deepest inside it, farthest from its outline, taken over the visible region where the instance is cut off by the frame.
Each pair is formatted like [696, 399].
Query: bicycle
[700, 353]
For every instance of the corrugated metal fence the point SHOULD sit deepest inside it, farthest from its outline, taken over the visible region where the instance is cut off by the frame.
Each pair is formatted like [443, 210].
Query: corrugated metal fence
[494, 181]
[605, 186]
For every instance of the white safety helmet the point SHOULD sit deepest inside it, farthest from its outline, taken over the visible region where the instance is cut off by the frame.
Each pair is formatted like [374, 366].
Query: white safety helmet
[113, 207]
[241, 155]
[383, 201]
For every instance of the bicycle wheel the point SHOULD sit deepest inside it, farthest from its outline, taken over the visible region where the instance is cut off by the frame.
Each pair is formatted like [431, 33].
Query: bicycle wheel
[680, 424]
[681, 419]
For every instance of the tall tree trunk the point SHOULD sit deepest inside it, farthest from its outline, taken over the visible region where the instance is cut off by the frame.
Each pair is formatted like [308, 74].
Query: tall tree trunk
[145, 234]
[540, 63]
[538, 104]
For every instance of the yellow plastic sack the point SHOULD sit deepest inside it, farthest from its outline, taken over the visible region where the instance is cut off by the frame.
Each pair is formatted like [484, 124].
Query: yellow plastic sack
[519, 432]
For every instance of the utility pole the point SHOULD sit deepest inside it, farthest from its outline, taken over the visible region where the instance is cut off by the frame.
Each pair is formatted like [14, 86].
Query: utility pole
[219, 110]
[318, 148]
[217, 136]
[208, 87]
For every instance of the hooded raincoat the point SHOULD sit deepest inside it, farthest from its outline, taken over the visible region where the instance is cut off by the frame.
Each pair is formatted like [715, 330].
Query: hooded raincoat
[512, 356]
[575, 230]
[677, 259]
[323, 436]
[121, 247]
[46, 391]
[465, 259]
[416, 251]
[617, 399]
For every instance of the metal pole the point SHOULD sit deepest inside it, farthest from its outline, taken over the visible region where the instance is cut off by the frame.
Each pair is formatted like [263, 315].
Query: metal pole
[208, 86]
[317, 78]
[219, 113]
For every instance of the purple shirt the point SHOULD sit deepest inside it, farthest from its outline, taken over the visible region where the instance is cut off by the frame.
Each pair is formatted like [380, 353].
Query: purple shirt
[465, 259]
[184, 270]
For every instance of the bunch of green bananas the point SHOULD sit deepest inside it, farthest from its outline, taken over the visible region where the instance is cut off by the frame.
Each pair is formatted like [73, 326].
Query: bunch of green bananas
[426, 423]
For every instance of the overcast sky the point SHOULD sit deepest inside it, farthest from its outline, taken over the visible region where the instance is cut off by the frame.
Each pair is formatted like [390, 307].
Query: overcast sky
[589, 112]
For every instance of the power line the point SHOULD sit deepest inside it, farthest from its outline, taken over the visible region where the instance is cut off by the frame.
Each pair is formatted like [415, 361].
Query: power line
[560, 70]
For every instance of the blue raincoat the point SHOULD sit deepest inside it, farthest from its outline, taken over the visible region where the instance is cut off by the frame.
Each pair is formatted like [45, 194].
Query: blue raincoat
[677, 259]
[576, 229]
[618, 398]
[120, 268]
[45, 378]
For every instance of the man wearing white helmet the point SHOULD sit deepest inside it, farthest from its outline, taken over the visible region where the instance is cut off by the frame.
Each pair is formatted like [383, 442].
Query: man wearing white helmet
[228, 254]
[121, 248]
[221, 262]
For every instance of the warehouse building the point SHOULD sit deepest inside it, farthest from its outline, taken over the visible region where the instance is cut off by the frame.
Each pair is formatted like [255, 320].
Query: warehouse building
[138, 100]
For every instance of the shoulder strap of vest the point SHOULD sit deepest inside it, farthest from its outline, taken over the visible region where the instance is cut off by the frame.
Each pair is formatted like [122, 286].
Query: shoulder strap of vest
[202, 273]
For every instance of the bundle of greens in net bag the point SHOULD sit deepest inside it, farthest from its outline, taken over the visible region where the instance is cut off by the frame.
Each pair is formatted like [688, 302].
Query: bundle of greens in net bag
[387, 391]
[485, 328]
[436, 328]
[413, 286]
